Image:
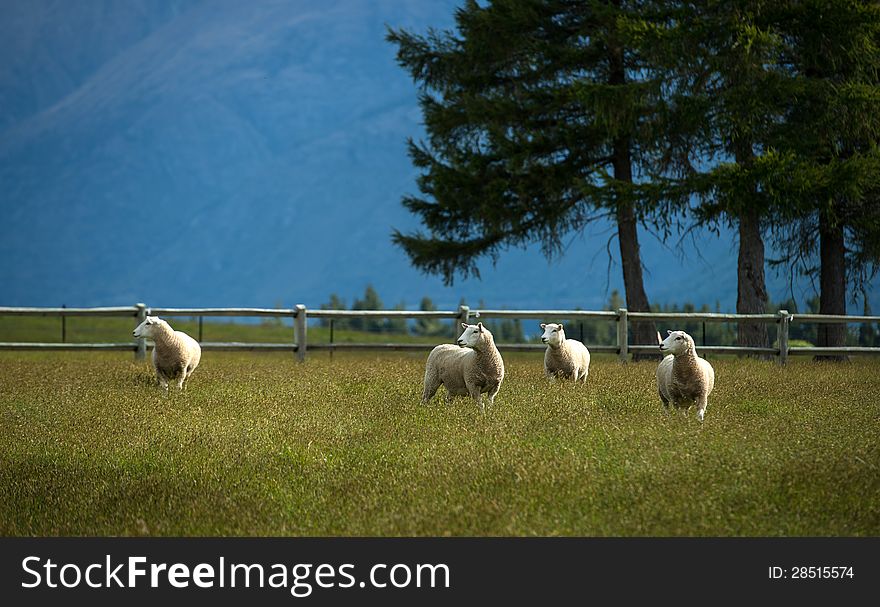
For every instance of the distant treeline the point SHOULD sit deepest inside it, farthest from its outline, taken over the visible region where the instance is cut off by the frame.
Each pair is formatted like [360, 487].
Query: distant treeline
[510, 331]
[600, 332]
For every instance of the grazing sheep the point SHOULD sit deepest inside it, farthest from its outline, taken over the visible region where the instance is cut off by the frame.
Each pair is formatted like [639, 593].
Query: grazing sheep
[175, 355]
[684, 378]
[567, 358]
[472, 367]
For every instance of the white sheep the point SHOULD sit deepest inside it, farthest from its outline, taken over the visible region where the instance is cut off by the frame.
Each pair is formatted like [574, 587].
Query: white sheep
[472, 367]
[567, 358]
[175, 354]
[683, 378]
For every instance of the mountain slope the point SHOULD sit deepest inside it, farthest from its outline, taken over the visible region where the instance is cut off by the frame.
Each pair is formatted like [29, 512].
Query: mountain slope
[229, 153]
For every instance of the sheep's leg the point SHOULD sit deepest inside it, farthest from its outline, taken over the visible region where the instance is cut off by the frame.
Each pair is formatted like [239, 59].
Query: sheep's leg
[181, 375]
[492, 394]
[428, 394]
[665, 402]
[162, 380]
[186, 373]
[432, 384]
[477, 395]
[702, 403]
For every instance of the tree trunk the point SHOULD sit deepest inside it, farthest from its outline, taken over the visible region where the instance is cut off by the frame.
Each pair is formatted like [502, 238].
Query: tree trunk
[832, 284]
[643, 333]
[751, 292]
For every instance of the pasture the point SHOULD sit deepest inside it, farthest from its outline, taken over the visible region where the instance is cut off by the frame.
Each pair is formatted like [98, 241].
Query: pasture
[261, 445]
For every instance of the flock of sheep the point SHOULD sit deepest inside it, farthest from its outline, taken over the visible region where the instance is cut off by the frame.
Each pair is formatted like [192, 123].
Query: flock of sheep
[473, 366]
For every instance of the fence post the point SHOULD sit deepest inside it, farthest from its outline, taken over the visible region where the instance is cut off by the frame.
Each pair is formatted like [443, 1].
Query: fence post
[464, 313]
[141, 352]
[782, 335]
[622, 335]
[300, 326]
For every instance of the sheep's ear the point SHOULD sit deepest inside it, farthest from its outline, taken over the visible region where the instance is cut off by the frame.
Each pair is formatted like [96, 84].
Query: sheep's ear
[543, 326]
[559, 327]
[480, 326]
[464, 325]
[669, 332]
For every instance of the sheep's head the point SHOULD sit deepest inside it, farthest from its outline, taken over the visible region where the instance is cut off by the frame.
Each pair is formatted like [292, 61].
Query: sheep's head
[148, 327]
[677, 342]
[554, 334]
[473, 335]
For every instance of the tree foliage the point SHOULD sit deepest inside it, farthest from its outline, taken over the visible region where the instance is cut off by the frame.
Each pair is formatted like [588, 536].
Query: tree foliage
[524, 118]
[545, 115]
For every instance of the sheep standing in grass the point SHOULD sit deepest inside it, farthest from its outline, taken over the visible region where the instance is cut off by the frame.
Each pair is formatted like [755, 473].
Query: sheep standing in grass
[472, 367]
[175, 354]
[567, 358]
[683, 378]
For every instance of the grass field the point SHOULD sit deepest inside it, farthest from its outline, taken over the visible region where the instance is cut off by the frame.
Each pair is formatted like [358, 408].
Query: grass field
[261, 445]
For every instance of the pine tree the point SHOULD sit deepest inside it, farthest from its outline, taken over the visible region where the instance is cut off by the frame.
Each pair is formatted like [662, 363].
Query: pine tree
[335, 303]
[727, 89]
[397, 325]
[370, 301]
[538, 120]
[775, 103]
[428, 326]
[830, 138]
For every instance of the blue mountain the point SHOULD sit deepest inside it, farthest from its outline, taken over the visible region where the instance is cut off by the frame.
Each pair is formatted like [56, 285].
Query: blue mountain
[220, 153]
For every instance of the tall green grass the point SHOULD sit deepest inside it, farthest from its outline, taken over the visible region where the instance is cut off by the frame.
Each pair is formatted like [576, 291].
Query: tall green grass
[261, 445]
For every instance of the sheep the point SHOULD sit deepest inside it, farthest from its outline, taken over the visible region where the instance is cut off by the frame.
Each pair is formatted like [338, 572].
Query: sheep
[175, 354]
[684, 378]
[470, 368]
[567, 358]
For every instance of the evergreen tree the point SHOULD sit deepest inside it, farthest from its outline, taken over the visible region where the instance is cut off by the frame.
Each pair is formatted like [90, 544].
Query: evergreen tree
[727, 89]
[335, 303]
[830, 138]
[370, 301]
[511, 331]
[538, 118]
[397, 325]
[428, 326]
[775, 102]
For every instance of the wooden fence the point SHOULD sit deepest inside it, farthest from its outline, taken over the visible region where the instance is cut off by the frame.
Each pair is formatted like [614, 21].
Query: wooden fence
[300, 316]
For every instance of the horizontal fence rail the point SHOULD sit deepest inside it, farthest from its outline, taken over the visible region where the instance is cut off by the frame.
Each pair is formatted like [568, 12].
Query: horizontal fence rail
[381, 314]
[699, 316]
[546, 314]
[264, 312]
[117, 311]
[300, 315]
